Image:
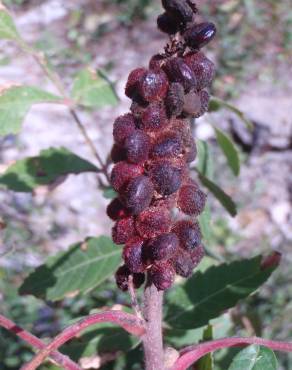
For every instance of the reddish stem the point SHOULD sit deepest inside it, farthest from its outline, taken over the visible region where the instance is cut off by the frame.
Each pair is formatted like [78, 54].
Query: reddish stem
[60, 359]
[192, 354]
[127, 321]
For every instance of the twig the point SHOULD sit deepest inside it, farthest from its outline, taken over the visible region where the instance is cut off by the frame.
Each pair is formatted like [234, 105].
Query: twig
[58, 358]
[127, 321]
[134, 300]
[192, 354]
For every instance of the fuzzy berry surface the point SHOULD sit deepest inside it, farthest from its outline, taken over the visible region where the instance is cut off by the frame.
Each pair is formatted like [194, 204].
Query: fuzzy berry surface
[158, 201]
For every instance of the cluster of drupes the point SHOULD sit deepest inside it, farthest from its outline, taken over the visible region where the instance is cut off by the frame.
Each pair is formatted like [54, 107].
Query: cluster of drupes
[158, 203]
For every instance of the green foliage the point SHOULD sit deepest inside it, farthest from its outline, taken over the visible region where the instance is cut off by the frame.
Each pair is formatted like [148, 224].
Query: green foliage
[80, 269]
[15, 102]
[255, 358]
[229, 151]
[217, 289]
[27, 174]
[206, 362]
[8, 30]
[92, 90]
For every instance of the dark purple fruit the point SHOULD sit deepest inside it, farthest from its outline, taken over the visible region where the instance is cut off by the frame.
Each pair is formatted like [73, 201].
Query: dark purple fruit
[153, 86]
[178, 71]
[132, 255]
[179, 9]
[123, 127]
[123, 172]
[116, 210]
[174, 100]
[167, 146]
[167, 24]
[197, 255]
[133, 83]
[192, 104]
[157, 61]
[183, 264]
[191, 151]
[188, 233]
[123, 230]
[153, 117]
[137, 146]
[200, 35]
[163, 247]
[138, 194]
[166, 177]
[202, 67]
[191, 200]
[122, 278]
[118, 154]
[152, 222]
[162, 275]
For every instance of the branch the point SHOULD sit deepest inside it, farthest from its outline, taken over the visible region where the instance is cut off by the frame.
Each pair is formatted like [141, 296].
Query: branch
[192, 354]
[60, 359]
[129, 322]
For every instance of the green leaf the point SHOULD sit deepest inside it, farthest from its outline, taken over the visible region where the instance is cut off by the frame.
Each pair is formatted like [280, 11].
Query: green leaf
[229, 150]
[207, 294]
[27, 174]
[205, 160]
[216, 104]
[15, 102]
[8, 30]
[223, 198]
[109, 193]
[206, 362]
[92, 90]
[98, 339]
[80, 269]
[254, 357]
[205, 223]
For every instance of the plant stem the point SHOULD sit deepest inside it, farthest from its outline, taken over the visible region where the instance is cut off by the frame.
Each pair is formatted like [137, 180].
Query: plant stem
[58, 358]
[127, 321]
[152, 340]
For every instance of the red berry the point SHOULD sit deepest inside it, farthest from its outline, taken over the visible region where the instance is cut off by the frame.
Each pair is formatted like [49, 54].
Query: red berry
[197, 255]
[115, 210]
[153, 85]
[123, 172]
[166, 177]
[118, 154]
[192, 104]
[188, 233]
[137, 146]
[174, 101]
[162, 275]
[154, 117]
[122, 278]
[183, 264]
[152, 222]
[123, 127]
[132, 255]
[200, 35]
[123, 230]
[133, 83]
[202, 67]
[178, 71]
[138, 194]
[166, 23]
[156, 61]
[137, 109]
[168, 145]
[205, 98]
[191, 200]
[179, 9]
[163, 247]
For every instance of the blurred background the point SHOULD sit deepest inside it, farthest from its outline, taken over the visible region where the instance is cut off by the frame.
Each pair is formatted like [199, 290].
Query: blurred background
[253, 55]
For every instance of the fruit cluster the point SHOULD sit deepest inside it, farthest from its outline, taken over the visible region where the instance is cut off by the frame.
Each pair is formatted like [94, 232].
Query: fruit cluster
[152, 151]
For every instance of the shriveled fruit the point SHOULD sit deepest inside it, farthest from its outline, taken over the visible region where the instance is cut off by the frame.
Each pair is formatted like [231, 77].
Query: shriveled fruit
[183, 264]
[179, 9]
[174, 100]
[168, 24]
[191, 200]
[188, 233]
[123, 127]
[168, 145]
[202, 67]
[123, 172]
[123, 230]
[200, 35]
[122, 278]
[153, 118]
[118, 154]
[116, 210]
[162, 275]
[132, 255]
[166, 177]
[197, 255]
[178, 71]
[133, 83]
[152, 222]
[163, 247]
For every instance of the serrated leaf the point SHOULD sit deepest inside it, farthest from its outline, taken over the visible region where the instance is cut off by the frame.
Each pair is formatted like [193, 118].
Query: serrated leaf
[254, 357]
[27, 174]
[216, 104]
[8, 30]
[92, 90]
[223, 198]
[229, 151]
[205, 160]
[98, 339]
[206, 362]
[80, 269]
[15, 102]
[207, 294]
